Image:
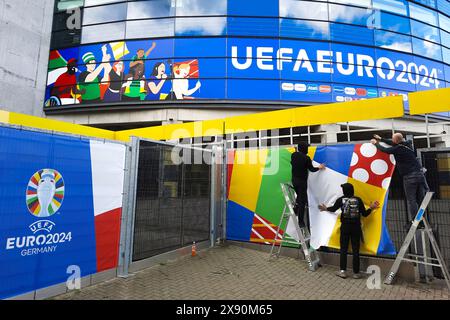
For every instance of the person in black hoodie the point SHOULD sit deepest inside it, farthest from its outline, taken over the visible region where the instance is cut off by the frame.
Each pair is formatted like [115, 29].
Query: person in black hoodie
[352, 209]
[301, 163]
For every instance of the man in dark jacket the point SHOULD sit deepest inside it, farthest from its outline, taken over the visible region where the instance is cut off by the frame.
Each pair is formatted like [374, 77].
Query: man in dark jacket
[301, 164]
[414, 181]
[352, 209]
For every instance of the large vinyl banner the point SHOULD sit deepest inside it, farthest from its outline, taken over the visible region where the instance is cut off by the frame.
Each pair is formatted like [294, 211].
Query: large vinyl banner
[60, 208]
[255, 200]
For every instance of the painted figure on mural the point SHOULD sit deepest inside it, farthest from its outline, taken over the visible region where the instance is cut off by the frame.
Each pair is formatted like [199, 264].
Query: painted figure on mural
[180, 82]
[140, 57]
[65, 87]
[134, 87]
[159, 83]
[115, 79]
[89, 80]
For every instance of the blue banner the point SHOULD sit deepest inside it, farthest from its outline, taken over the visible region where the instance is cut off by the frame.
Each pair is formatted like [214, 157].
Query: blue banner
[46, 210]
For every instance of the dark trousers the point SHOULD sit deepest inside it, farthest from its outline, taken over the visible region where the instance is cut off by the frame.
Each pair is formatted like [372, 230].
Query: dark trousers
[350, 232]
[415, 186]
[301, 187]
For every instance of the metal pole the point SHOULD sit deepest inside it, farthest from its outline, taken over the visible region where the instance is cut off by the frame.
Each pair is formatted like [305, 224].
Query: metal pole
[309, 135]
[348, 132]
[428, 131]
[213, 209]
[224, 191]
[291, 132]
[392, 123]
[127, 228]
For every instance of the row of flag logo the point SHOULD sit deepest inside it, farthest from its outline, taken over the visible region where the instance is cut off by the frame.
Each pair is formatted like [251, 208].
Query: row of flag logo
[340, 91]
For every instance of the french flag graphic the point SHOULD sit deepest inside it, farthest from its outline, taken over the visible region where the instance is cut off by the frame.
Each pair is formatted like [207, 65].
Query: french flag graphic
[107, 185]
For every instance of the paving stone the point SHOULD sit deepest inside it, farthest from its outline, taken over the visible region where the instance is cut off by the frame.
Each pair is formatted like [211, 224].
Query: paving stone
[233, 272]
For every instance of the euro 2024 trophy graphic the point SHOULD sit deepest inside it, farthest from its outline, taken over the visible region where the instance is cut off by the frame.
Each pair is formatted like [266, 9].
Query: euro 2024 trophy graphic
[45, 193]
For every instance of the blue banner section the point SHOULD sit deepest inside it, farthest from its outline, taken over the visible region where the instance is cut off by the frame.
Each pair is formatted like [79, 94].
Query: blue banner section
[236, 69]
[46, 210]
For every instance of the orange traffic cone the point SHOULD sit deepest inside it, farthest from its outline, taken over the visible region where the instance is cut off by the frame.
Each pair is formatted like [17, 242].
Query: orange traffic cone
[194, 250]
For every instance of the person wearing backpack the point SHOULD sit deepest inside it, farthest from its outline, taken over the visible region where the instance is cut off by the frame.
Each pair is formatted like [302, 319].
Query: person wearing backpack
[352, 209]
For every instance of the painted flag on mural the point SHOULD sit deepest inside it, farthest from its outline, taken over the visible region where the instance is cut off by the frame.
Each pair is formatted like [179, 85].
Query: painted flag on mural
[119, 49]
[57, 65]
[194, 72]
[255, 200]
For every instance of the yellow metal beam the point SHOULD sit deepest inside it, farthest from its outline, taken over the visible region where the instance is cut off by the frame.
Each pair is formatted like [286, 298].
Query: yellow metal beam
[431, 101]
[176, 131]
[54, 125]
[380, 108]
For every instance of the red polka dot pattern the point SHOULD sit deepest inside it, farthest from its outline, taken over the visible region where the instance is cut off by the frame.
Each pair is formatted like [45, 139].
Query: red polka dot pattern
[371, 166]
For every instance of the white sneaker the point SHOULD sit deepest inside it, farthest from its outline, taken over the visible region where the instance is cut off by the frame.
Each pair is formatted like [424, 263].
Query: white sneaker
[342, 274]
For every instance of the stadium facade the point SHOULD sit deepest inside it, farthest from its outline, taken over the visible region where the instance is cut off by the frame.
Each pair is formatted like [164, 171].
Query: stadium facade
[116, 63]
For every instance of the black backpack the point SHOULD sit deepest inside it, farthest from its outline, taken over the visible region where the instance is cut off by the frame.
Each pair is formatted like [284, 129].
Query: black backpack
[350, 209]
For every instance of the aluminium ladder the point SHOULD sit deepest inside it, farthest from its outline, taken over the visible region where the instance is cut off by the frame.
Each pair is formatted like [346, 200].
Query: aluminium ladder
[288, 214]
[419, 259]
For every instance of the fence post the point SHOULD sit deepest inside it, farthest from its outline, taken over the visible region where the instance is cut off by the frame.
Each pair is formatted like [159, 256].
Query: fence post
[128, 213]
[213, 210]
[224, 190]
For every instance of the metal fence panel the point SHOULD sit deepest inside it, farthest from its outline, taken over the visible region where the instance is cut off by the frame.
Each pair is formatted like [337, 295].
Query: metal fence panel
[172, 200]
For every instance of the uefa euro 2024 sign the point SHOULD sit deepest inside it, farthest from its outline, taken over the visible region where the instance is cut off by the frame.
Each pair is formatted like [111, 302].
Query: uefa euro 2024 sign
[328, 62]
[44, 197]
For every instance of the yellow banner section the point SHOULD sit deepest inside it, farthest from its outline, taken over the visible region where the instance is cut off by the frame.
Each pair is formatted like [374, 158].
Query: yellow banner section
[248, 166]
[205, 128]
[379, 108]
[54, 125]
[429, 101]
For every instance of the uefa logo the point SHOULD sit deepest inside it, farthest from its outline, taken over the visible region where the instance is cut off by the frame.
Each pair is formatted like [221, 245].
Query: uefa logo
[45, 193]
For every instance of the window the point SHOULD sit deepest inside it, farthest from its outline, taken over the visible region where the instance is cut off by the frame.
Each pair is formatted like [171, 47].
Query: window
[305, 29]
[150, 9]
[444, 6]
[66, 38]
[253, 26]
[428, 3]
[102, 14]
[392, 22]
[351, 34]
[424, 31]
[361, 3]
[394, 41]
[351, 15]
[191, 8]
[103, 32]
[422, 14]
[446, 55]
[253, 8]
[445, 38]
[427, 49]
[444, 22]
[150, 28]
[304, 10]
[394, 6]
[211, 26]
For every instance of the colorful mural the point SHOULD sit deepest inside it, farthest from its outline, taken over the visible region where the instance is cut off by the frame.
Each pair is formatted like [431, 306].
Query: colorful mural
[120, 71]
[255, 200]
